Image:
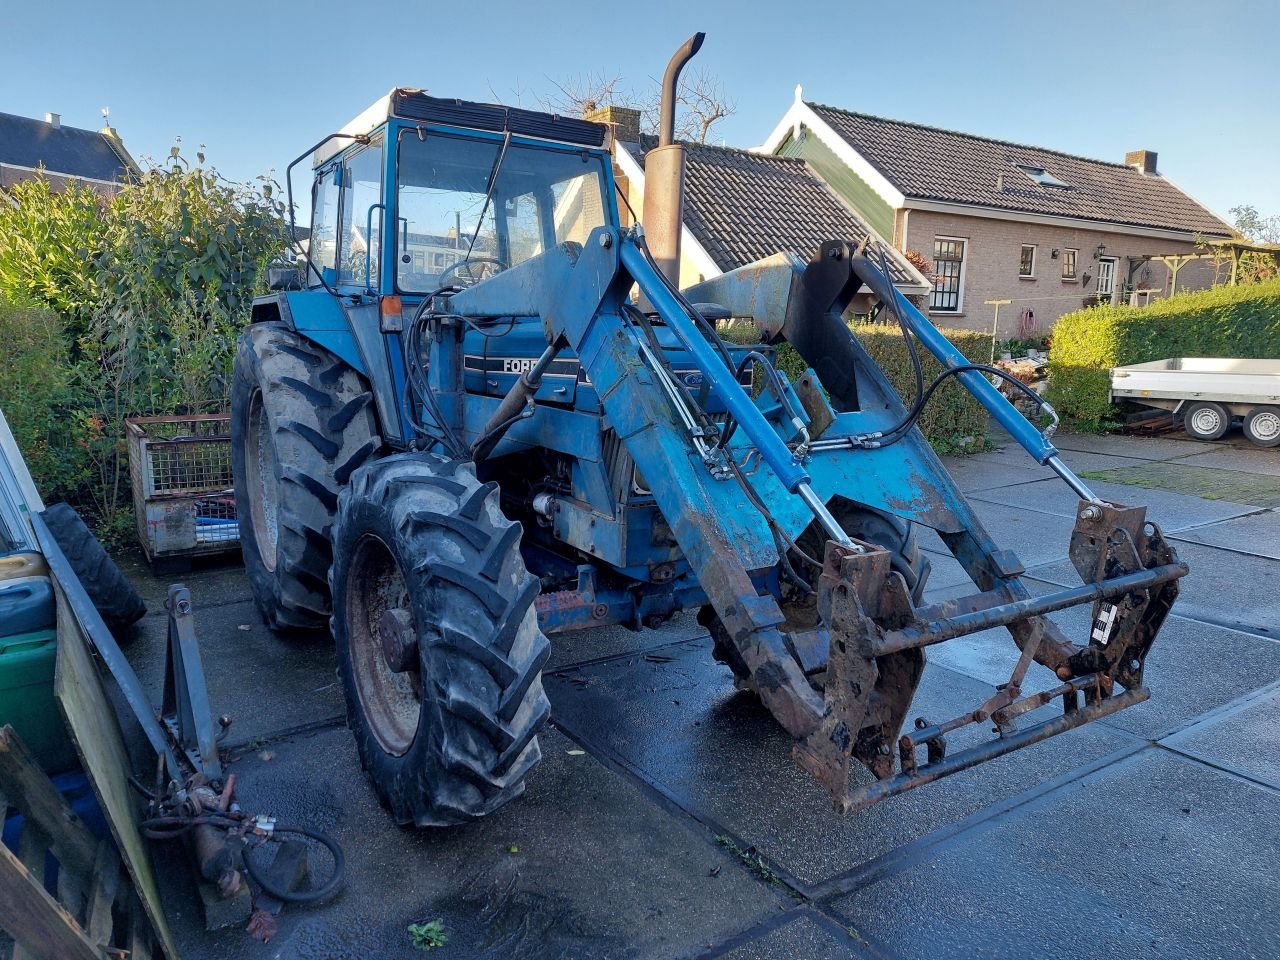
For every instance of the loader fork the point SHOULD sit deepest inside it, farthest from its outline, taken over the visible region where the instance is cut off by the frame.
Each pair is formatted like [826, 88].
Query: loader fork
[876, 656]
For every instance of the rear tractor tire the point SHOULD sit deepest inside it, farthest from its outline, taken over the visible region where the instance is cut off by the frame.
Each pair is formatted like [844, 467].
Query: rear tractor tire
[438, 645]
[302, 421]
[896, 535]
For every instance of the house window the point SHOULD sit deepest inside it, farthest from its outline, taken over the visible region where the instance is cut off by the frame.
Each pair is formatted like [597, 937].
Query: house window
[948, 269]
[1043, 177]
[1069, 258]
[1027, 263]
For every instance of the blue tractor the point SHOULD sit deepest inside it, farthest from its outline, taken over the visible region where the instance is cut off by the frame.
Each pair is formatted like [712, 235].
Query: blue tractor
[485, 414]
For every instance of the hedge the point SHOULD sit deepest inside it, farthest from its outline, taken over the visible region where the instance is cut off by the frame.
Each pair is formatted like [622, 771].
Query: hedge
[953, 421]
[1241, 321]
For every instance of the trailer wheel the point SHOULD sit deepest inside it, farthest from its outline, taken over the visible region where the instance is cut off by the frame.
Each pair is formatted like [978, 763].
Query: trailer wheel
[301, 422]
[1205, 420]
[438, 645]
[1262, 426]
[896, 535]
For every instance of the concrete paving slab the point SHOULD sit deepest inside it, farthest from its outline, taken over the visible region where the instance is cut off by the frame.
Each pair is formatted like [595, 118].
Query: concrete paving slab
[212, 581]
[267, 683]
[1245, 739]
[598, 870]
[984, 473]
[585, 645]
[1036, 537]
[1248, 459]
[808, 935]
[1256, 533]
[1154, 857]
[1141, 448]
[1225, 588]
[1016, 458]
[675, 720]
[1192, 669]
[1173, 511]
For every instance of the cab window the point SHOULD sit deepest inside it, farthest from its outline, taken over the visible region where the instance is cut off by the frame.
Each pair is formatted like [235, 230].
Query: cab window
[361, 216]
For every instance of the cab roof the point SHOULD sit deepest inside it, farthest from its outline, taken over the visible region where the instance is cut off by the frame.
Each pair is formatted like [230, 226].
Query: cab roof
[406, 103]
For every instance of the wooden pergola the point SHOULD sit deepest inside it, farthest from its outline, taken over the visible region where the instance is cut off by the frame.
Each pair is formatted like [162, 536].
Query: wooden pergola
[1215, 250]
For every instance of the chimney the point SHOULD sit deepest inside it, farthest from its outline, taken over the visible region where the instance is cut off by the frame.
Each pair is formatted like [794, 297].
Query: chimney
[53, 119]
[1144, 161]
[623, 122]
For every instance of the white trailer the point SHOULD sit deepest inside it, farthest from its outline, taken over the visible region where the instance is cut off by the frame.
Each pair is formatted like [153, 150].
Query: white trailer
[1208, 393]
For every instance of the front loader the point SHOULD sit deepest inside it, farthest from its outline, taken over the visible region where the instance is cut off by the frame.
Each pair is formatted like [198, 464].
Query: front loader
[486, 415]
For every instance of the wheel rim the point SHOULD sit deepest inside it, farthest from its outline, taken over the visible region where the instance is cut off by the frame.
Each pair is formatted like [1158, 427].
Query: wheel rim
[390, 701]
[1265, 426]
[1206, 420]
[264, 506]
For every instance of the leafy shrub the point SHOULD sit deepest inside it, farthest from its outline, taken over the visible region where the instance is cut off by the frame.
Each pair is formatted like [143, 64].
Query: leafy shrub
[152, 286]
[1241, 321]
[36, 394]
[953, 421]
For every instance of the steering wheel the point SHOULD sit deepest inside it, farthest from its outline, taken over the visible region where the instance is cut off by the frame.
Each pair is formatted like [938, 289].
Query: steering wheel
[477, 269]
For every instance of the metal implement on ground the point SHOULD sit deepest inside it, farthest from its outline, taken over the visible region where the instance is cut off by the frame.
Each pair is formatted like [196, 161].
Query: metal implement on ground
[481, 414]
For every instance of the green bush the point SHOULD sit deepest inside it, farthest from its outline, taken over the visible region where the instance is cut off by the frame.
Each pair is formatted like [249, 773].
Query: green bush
[36, 394]
[1241, 321]
[953, 421]
[152, 286]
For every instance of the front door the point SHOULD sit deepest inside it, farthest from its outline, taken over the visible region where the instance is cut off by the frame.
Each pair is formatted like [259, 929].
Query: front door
[1106, 278]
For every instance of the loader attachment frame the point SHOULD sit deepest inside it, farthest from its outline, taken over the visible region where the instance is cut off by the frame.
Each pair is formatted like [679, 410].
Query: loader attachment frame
[843, 690]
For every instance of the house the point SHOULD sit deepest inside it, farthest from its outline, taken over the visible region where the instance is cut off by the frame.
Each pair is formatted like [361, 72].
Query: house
[1044, 231]
[742, 206]
[28, 147]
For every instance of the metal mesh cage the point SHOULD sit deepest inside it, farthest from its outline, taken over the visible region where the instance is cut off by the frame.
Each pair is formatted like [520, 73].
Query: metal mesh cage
[183, 491]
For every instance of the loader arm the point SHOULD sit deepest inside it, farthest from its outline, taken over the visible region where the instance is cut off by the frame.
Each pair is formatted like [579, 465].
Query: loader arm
[867, 653]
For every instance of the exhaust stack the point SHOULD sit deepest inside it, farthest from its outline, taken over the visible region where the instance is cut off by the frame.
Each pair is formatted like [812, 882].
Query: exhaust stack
[664, 172]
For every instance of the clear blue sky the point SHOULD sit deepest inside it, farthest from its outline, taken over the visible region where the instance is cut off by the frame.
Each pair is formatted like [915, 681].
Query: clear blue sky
[1192, 80]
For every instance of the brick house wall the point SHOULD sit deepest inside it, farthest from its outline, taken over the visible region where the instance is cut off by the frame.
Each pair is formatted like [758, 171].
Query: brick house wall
[993, 253]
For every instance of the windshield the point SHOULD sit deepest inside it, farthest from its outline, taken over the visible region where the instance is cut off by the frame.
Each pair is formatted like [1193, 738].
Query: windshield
[541, 197]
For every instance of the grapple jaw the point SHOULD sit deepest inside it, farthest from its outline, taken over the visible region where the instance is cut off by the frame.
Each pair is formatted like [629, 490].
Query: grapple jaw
[876, 655]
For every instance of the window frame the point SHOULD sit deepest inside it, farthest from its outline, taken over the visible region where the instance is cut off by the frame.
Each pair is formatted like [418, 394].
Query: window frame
[376, 145]
[1031, 271]
[960, 273]
[1074, 275]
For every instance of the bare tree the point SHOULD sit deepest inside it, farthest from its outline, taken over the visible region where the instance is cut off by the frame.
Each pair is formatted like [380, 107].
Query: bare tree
[701, 101]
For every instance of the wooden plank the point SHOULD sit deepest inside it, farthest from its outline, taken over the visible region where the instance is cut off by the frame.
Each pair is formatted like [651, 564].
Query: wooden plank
[106, 884]
[71, 894]
[35, 920]
[33, 848]
[29, 789]
[96, 734]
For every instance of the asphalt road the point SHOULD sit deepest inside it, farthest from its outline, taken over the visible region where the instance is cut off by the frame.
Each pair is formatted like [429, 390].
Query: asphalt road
[667, 819]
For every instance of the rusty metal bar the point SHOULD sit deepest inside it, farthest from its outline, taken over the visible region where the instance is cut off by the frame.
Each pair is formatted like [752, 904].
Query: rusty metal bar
[924, 634]
[873, 793]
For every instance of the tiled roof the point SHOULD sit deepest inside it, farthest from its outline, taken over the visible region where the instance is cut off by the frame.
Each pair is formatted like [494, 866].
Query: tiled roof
[742, 207]
[928, 163]
[65, 150]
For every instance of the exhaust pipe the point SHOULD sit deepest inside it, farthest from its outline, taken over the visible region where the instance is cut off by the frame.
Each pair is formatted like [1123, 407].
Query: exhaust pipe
[664, 172]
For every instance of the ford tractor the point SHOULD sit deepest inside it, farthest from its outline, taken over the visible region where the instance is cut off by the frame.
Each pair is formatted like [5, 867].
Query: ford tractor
[483, 413]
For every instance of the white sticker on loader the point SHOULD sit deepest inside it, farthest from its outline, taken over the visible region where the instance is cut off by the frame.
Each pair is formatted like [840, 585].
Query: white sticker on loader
[1105, 621]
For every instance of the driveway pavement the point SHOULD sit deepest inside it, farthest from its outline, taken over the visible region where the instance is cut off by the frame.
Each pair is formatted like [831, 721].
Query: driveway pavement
[667, 819]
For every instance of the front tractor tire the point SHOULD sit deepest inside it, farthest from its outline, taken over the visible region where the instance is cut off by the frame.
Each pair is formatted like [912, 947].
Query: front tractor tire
[438, 645]
[302, 421]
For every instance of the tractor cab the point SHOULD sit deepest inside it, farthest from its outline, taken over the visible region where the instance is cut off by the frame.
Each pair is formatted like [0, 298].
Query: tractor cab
[420, 193]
